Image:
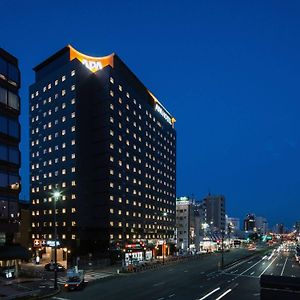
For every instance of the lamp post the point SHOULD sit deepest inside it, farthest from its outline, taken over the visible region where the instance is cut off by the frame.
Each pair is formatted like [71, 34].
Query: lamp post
[165, 214]
[56, 196]
[222, 249]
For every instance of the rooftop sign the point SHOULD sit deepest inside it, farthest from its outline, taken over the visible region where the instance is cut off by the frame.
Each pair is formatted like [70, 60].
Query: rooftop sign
[162, 110]
[94, 64]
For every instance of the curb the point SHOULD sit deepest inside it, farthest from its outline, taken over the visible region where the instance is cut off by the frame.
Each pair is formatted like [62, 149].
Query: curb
[49, 295]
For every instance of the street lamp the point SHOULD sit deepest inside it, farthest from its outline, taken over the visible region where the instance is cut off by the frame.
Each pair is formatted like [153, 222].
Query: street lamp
[222, 254]
[56, 196]
[164, 242]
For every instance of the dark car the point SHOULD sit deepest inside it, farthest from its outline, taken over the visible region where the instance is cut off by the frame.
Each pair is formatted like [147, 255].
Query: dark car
[51, 266]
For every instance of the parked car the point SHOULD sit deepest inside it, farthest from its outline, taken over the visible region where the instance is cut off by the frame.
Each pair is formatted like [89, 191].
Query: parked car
[51, 266]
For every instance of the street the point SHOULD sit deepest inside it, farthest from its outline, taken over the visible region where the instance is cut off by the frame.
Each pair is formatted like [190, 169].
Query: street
[196, 280]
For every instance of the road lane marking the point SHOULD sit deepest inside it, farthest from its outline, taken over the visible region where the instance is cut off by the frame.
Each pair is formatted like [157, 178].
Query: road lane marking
[251, 267]
[210, 293]
[159, 283]
[267, 267]
[161, 298]
[224, 294]
[59, 298]
[252, 273]
[283, 267]
[172, 295]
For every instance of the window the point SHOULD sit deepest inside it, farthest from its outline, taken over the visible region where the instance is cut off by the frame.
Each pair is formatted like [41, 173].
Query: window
[73, 73]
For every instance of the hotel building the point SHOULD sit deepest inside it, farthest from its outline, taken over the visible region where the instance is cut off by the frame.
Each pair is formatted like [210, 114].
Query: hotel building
[104, 141]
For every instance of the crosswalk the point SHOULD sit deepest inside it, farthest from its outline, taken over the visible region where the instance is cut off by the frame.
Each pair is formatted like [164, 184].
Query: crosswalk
[88, 276]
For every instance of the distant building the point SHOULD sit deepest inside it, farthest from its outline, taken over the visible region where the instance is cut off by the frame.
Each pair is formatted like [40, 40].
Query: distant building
[279, 228]
[261, 225]
[232, 225]
[297, 226]
[187, 224]
[214, 212]
[249, 222]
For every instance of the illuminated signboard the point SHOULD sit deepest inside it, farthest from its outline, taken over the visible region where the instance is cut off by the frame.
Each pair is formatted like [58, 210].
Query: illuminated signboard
[162, 111]
[94, 64]
[52, 243]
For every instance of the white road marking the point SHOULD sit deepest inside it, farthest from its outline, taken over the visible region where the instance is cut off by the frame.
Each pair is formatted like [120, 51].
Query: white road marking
[252, 273]
[283, 267]
[172, 295]
[251, 267]
[210, 293]
[159, 283]
[161, 298]
[225, 293]
[59, 298]
[267, 267]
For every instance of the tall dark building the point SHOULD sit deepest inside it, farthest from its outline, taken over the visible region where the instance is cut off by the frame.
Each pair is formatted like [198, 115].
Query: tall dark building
[9, 159]
[214, 211]
[100, 138]
[249, 222]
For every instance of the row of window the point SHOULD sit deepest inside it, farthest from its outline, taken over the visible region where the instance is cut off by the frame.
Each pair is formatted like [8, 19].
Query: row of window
[9, 153]
[138, 236]
[9, 72]
[9, 127]
[50, 236]
[49, 187]
[49, 85]
[8, 178]
[9, 98]
[56, 109]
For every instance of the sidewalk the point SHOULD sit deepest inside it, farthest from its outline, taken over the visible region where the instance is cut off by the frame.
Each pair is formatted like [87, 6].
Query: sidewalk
[25, 287]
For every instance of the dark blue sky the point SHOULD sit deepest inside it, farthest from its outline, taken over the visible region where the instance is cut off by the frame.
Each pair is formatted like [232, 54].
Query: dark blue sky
[227, 70]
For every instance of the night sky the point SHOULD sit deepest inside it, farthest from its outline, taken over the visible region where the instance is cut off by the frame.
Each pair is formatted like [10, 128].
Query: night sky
[227, 70]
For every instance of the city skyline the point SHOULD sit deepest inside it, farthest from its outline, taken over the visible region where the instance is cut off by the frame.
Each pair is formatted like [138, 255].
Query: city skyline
[227, 72]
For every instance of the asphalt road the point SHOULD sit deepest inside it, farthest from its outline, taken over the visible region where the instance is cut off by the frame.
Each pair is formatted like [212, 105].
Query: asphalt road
[196, 280]
[184, 280]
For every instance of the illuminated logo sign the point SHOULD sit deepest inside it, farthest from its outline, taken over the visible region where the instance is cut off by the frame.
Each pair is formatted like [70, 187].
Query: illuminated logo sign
[94, 64]
[163, 113]
[52, 243]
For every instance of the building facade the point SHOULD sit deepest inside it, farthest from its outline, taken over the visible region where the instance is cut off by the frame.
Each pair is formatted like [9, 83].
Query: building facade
[261, 225]
[214, 212]
[249, 223]
[102, 140]
[187, 224]
[232, 225]
[10, 160]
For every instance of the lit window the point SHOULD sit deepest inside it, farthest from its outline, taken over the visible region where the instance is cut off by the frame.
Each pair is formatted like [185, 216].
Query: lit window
[73, 128]
[73, 73]
[111, 80]
[111, 93]
[73, 115]
[56, 82]
[73, 87]
[63, 78]
[73, 210]
[63, 92]
[73, 236]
